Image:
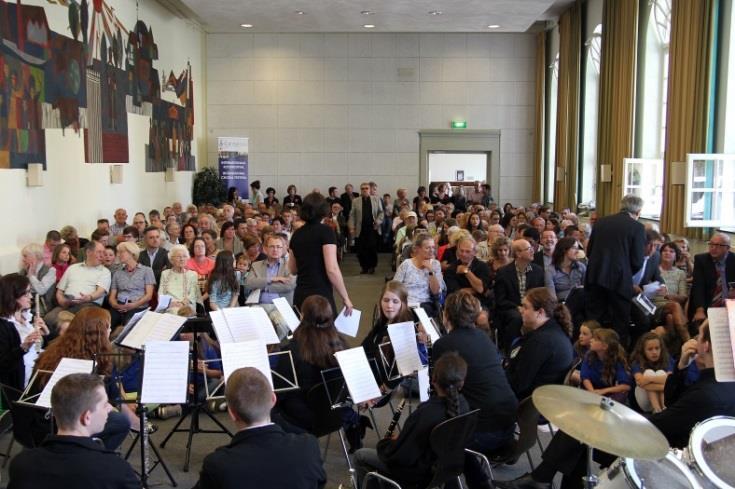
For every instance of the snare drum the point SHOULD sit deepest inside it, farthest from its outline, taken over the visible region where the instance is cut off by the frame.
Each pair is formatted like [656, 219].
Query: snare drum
[711, 446]
[667, 473]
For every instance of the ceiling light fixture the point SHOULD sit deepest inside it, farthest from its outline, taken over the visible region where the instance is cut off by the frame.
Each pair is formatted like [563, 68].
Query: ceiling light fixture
[367, 12]
[300, 12]
[493, 26]
[369, 26]
[246, 26]
[435, 12]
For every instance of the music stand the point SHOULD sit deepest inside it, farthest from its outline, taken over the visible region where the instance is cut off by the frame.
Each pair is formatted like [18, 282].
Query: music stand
[194, 407]
[142, 411]
[31, 394]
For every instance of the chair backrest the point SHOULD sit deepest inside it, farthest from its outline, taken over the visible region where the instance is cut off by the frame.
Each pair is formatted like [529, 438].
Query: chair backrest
[30, 426]
[325, 419]
[528, 417]
[448, 441]
[570, 372]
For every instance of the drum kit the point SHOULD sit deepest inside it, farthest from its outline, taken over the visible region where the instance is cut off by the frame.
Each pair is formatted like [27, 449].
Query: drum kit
[646, 461]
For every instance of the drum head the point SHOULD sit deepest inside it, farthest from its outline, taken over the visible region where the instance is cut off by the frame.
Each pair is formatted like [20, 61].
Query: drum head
[711, 445]
[669, 473]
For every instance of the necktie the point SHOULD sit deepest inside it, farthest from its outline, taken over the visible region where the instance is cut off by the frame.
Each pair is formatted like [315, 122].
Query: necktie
[717, 296]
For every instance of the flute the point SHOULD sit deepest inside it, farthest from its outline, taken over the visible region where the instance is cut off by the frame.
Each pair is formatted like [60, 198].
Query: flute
[396, 417]
[39, 342]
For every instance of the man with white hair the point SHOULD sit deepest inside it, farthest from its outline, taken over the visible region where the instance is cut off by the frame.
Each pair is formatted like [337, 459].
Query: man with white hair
[713, 277]
[615, 253]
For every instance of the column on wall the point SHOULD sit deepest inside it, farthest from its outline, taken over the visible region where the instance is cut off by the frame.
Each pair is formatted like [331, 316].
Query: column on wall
[688, 106]
[538, 133]
[617, 98]
[567, 132]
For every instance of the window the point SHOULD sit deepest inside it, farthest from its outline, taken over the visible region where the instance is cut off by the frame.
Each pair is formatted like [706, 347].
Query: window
[645, 178]
[725, 100]
[550, 160]
[588, 175]
[710, 190]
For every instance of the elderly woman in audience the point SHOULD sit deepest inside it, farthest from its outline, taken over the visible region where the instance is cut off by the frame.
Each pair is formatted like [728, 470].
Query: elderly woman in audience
[228, 240]
[422, 275]
[675, 279]
[566, 271]
[132, 285]
[292, 199]
[179, 282]
[41, 276]
[61, 259]
[201, 264]
[71, 237]
[17, 334]
[173, 229]
[206, 221]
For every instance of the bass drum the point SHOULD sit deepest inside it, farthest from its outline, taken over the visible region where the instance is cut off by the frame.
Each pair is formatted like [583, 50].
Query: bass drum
[667, 473]
[711, 448]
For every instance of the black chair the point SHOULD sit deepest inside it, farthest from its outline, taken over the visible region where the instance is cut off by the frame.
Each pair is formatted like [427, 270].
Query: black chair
[448, 440]
[326, 420]
[528, 419]
[30, 425]
[6, 426]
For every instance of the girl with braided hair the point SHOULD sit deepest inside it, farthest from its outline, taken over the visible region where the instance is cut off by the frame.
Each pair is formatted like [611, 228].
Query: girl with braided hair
[407, 457]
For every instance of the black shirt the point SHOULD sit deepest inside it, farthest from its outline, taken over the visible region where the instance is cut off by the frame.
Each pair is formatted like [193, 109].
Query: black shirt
[486, 386]
[306, 246]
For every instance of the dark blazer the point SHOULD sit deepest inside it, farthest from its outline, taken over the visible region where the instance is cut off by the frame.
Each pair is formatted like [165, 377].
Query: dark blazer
[264, 457]
[652, 273]
[615, 253]
[543, 357]
[507, 293]
[705, 278]
[71, 462]
[160, 263]
[12, 370]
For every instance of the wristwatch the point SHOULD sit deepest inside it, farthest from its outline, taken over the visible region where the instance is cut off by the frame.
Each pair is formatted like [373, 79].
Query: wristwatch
[431, 274]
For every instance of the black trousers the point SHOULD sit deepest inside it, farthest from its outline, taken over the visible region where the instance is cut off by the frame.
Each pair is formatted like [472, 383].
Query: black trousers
[509, 323]
[367, 248]
[610, 309]
[568, 456]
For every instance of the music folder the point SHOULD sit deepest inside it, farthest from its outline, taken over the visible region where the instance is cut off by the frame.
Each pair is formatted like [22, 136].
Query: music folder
[721, 328]
[150, 326]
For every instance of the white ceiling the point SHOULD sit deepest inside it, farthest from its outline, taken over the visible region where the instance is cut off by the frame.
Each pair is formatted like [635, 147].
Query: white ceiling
[389, 15]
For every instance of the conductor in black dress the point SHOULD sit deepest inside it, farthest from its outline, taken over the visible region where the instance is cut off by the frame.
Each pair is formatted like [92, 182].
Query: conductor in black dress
[615, 252]
[313, 256]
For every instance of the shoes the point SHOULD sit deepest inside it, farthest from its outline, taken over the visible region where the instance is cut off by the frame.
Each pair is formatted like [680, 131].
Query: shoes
[371, 271]
[523, 482]
[149, 427]
[353, 437]
[363, 271]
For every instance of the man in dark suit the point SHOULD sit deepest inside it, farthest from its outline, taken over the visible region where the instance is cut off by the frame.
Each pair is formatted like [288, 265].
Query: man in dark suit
[153, 255]
[346, 199]
[713, 277]
[647, 275]
[256, 456]
[615, 253]
[543, 256]
[511, 283]
[72, 458]
[366, 216]
[685, 407]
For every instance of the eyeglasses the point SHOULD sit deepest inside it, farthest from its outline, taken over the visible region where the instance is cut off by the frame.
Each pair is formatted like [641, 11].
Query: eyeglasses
[717, 245]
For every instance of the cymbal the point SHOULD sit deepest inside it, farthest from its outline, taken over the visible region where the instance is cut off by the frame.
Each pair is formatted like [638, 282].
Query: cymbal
[600, 422]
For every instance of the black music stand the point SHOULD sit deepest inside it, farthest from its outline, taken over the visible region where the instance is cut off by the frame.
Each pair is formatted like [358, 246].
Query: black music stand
[194, 407]
[142, 412]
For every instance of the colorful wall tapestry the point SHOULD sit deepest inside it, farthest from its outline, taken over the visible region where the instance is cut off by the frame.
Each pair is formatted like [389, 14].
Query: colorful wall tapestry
[89, 82]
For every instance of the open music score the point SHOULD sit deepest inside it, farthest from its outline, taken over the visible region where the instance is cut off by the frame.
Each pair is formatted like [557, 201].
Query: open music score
[424, 384]
[253, 297]
[237, 324]
[357, 374]
[165, 372]
[66, 366]
[403, 339]
[152, 326]
[286, 311]
[721, 321]
[252, 353]
[348, 325]
[426, 323]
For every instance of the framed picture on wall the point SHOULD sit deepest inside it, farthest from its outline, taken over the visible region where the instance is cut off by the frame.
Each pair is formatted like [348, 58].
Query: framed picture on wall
[459, 176]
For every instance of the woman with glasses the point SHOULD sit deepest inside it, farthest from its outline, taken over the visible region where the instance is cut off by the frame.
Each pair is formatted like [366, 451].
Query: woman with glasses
[17, 334]
[566, 271]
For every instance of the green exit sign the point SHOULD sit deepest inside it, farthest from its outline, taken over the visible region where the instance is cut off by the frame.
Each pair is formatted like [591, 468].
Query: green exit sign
[459, 124]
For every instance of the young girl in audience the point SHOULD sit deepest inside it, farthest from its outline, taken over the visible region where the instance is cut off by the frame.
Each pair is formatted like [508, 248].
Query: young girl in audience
[673, 328]
[223, 285]
[604, 368]
[581, 347]
[61, 259]
[650, 365]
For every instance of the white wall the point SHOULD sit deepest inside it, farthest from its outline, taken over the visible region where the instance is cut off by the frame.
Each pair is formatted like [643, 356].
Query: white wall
[324, 109]
[77, 193]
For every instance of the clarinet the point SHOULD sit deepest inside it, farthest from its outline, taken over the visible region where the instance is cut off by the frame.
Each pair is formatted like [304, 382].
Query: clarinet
[396, 417]
[430, 364]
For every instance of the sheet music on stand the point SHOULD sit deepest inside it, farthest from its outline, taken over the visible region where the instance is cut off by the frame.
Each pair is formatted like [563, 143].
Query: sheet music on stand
[152, 326]
[253, 297]
[358, 374]
[427, 323]
[253, 353]
[292, 321]
[237, 324]
[388, 360]
[165, 372]
[66, 366]
[280, 382]
[403, 339]
[721, 321]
